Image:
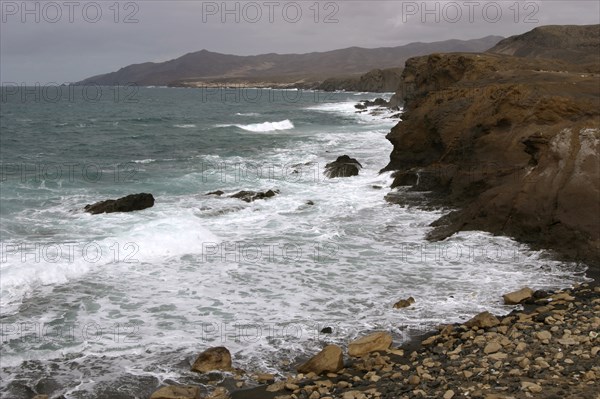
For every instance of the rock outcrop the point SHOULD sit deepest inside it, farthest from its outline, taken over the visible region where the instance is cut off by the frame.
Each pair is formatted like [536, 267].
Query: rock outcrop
[130, 203]
[512, 142]
[343, 166]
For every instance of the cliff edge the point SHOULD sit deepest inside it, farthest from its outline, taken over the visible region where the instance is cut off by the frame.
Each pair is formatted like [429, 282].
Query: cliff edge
[512, 143]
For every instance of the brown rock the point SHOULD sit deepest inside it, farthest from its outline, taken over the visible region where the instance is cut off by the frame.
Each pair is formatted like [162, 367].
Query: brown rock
[177, 392]
[516, 297]
[330, 359]
[483, 320]
[531, 387]
[376, 342]
[492, 347]
[414, 380]
[217, 358]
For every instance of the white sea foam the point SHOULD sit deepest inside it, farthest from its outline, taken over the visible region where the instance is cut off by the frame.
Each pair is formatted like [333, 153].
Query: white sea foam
[264, 127]
[185, 126]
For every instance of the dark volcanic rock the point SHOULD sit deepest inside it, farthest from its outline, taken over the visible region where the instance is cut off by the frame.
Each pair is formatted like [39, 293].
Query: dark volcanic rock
[344, 166]
[250, 196]
[133, 202]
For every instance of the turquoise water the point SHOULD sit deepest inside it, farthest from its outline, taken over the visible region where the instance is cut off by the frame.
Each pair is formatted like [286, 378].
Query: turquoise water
[112, 305]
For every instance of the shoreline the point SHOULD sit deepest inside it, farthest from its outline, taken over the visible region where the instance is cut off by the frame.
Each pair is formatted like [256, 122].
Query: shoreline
[420, 367]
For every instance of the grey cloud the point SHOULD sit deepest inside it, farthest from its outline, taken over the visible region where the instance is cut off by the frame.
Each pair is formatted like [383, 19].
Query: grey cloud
[63, 51]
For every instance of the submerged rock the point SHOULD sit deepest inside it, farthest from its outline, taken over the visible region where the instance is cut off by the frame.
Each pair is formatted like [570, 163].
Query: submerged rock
[344, 166]
[130, 203]
[404, 303]
[250, 196]
[218, 358]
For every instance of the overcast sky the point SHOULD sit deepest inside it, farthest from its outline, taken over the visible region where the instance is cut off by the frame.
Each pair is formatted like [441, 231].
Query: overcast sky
[66, 41]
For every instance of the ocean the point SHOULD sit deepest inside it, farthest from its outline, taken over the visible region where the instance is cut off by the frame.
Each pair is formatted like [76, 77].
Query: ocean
[112, 305]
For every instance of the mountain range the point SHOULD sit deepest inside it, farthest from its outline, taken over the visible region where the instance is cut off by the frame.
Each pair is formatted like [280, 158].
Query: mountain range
[206, 67]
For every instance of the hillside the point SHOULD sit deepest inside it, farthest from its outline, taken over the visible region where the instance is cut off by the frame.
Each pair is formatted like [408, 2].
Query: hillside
[205, 66]
[570, 43]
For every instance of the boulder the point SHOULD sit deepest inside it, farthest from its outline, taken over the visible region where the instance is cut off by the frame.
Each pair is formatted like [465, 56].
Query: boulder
[516, 297]
[217, 193]
[133, 202]
[483, 320]
[404, 303]
[177, 392]
[217, 358]
[250, 196]
[330, 359]
[344, 166]
[376, 342]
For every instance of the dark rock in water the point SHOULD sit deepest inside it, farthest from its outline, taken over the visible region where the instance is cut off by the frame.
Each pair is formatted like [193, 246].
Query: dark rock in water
[309, 202]
[378, 102]
[344, 166]
[404, 303]
[133, 202]
[250, 196]
[327, 330]
[218, 193]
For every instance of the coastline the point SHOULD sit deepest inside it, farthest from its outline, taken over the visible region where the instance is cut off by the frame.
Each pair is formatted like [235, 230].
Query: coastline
[548, 349]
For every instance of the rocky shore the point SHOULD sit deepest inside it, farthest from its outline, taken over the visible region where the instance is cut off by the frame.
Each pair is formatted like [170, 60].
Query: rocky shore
[549, 348]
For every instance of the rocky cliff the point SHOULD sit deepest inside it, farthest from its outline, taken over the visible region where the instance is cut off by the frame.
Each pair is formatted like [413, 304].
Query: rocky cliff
[512, 143]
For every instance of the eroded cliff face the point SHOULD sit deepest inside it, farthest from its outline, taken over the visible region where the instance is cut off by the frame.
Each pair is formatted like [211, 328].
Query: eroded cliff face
[513, 143]
[375, 81]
